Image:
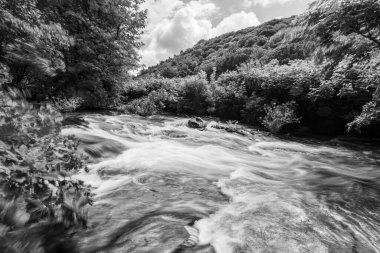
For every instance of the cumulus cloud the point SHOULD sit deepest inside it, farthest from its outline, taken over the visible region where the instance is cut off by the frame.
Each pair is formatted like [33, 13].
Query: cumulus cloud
[174, 25]
[235, 22]
[250, 3]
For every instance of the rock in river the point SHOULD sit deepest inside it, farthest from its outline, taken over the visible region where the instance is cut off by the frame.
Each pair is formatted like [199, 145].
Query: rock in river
[197, 123]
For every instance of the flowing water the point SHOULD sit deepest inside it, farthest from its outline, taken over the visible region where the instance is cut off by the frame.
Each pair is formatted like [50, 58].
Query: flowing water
[163, 187]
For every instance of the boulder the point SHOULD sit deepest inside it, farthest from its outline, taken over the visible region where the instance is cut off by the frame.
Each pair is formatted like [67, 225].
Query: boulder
[196, 123]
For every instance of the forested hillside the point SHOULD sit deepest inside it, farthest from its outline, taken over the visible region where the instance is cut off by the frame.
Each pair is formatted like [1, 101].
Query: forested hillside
[318, 72]
[266, 42]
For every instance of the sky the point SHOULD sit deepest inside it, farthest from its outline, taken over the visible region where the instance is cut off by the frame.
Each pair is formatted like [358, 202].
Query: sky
[175, 25]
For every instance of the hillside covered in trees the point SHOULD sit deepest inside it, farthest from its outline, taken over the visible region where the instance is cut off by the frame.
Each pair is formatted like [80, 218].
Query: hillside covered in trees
[318, 72]
[226, 52]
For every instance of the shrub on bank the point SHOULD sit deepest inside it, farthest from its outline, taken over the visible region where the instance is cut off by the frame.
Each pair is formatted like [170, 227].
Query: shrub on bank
[155, 102]
[369, 114]
[279, 115]
[37, 192]
[191, 95]
[63, 104]
[229, 97]
[194, 95]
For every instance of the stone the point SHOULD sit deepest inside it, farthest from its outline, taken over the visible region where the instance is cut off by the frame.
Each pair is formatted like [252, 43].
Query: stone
[196, 123]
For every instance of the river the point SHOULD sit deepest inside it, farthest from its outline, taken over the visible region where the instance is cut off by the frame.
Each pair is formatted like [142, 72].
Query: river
[163, 187]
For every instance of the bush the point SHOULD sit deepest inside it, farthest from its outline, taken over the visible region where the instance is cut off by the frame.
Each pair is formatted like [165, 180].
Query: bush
[277, 116]
[143, 106]
[229, 96]
[36, 165]
[194, 96]
[370, 113]
[149, 96]
[63, 104]
[152, 104]
[254, 109]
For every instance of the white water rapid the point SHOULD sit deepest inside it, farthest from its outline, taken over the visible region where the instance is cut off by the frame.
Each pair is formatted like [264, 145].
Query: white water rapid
[163, 187]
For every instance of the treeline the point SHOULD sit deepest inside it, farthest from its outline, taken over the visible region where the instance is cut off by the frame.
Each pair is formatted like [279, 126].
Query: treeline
[78, 49]
[316, 73]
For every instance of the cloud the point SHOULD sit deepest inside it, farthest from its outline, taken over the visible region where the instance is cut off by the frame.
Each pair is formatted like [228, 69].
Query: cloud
[247, 4]
[236, 21]
[174, 25]
[250, 3]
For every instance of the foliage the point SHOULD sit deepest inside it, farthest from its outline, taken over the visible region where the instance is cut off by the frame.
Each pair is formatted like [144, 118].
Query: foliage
[326, 103]
[229, 96]
[149, 96]
[71, 48]
[226, 52]
[253, 109]
[27, 49]
[370, 113]
[154, 103]
[63, 104]
[329, 18]
[142, 106]
[36, 165]
[194, 96]
[78, 54]
[5, 76]
[279, 115]
[326, 60]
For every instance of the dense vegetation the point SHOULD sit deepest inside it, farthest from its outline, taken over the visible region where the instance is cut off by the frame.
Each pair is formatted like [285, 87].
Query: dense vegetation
[40, 204]
[72, 54]
[70, 49]
[318, 72]
[227, 52]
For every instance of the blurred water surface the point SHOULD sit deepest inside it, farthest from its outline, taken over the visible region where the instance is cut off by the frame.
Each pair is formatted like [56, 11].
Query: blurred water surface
[163, 187]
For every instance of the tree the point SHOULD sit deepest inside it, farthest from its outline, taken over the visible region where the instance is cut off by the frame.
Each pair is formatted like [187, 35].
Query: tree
[370, 113]
[327, 18]
[28, 48]
[106, 37]
[99, 46]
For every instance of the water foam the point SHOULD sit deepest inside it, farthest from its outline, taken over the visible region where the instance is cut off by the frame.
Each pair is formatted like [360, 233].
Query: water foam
[284, 196]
